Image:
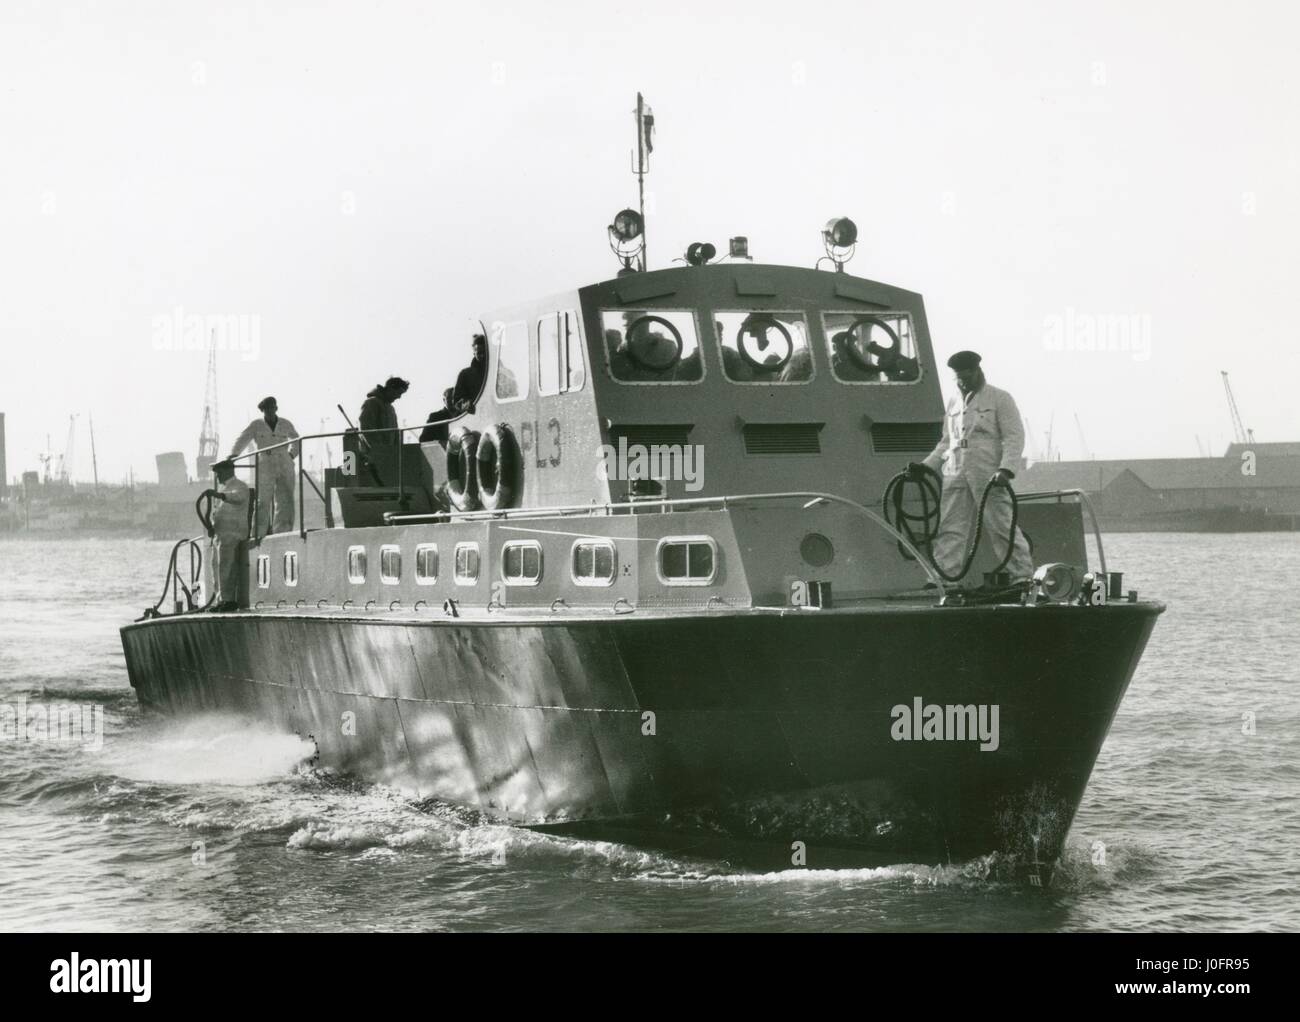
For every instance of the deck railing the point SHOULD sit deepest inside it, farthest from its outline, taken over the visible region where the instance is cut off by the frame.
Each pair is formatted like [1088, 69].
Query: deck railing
[609, 507]
[255, 457]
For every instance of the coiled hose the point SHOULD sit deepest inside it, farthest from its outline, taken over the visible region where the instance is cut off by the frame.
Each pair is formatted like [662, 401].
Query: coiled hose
[929, 485]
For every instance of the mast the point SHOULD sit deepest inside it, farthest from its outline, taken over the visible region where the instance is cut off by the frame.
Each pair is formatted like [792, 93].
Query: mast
[644, 146]
[94, 462]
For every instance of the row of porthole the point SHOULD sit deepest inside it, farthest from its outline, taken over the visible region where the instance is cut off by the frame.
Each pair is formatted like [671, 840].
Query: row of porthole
[683, 560]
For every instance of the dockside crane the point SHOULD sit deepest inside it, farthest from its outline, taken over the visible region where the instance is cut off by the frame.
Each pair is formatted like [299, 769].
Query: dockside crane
[1083, 444]
[67, 460]
[1240, 433]
[1031, 445]
[209, 440]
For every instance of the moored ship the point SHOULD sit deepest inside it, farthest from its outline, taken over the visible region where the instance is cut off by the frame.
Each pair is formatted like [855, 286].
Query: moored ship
[645, 584]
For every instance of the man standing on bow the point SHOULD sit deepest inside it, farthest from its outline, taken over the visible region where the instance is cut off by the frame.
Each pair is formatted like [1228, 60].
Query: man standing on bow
[274, 477]
[229, 534]
[983, 439]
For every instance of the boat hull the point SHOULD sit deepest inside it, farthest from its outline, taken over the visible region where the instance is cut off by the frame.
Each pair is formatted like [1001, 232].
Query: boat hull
[779, 726]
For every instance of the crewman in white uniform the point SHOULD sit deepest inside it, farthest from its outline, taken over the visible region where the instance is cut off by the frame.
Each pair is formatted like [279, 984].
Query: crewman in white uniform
[229, 535]
[983, 438]
[274, 477]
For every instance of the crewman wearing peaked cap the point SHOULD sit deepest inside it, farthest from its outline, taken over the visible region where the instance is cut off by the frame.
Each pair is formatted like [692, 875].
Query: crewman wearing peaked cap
[229, 535]
[983, 438]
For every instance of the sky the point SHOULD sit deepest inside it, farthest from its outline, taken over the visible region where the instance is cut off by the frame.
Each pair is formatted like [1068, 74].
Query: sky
[353, 182]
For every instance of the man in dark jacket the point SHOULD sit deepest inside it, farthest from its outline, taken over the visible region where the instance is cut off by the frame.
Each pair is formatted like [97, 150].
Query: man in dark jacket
[378, 412]
[469, 383]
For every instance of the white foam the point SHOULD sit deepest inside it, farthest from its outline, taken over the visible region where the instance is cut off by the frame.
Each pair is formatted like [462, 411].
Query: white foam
[208, 750]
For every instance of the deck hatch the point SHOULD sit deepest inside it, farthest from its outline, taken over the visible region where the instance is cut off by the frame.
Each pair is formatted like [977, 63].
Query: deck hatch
[905, 437]
[783, 437]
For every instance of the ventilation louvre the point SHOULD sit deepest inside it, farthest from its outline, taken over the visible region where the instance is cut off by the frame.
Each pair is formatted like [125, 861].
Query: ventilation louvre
[905, 437]
[651, 434]
[783, 437]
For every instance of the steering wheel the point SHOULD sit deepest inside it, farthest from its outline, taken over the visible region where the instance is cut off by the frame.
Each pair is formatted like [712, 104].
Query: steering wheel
[869, 356]
[641, 344]
[757, 327]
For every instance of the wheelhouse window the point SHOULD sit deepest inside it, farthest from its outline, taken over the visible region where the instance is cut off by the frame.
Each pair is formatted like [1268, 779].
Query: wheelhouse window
[652, 346]
[426, 564]
[512, 361]
[687, 560]
[521, 563]
[356, 564]
[594, 562]
[764, 347]
[466, 564]
[289, 567]
[560, 365]
[390, 564]
[875, 348]
[263, 572]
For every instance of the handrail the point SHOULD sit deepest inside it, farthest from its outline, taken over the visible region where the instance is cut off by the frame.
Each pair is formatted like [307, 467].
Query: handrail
[255, 456]
[324, 436]
[1087, 505]
[811, 496]
[173, 581]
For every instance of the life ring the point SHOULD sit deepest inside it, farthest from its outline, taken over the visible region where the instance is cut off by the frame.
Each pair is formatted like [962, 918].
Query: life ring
[462, 469]
[500, 467]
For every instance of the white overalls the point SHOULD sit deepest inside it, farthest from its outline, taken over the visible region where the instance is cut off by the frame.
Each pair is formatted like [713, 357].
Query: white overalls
[230, 534]
[275, 472]
[982, 433]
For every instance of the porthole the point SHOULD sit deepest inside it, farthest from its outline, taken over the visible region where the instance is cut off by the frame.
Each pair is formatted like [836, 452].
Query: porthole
[466, 564]
[816, 550]
[521, 563]
[687, 560]
[426, 564]
[595, 562]
[390, 564]
[356, 564]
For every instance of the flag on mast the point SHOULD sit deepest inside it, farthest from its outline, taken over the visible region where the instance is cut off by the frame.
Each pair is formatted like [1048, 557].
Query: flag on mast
[645, 125]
